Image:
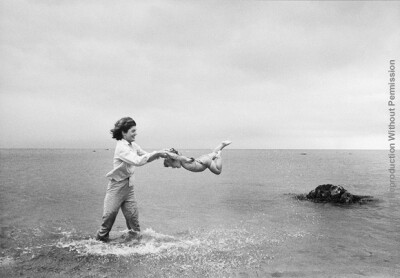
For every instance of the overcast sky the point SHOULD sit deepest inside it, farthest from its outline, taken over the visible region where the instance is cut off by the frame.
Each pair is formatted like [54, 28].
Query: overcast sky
[193, 73]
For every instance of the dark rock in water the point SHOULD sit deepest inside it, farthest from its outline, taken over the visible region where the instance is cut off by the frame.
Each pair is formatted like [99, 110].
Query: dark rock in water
[329, 193]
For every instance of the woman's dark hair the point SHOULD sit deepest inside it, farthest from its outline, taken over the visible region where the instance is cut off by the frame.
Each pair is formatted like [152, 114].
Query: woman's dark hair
[123, 125]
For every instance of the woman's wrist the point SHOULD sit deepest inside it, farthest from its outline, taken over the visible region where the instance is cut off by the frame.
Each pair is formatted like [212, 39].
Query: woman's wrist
[161, 154]
[153, 156]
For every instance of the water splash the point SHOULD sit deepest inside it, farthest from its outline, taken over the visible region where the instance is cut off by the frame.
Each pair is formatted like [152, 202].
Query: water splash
[150, 243]
[217, 252]
[6, 261]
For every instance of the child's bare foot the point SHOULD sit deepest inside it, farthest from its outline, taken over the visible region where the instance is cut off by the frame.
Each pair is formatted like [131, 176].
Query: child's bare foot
[222, 145]
[226, 143]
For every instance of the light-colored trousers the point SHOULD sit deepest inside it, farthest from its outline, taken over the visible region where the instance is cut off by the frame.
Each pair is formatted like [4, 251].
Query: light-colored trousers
[119, 195]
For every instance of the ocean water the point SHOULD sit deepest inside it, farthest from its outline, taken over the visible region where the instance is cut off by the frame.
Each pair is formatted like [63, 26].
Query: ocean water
[242, 223]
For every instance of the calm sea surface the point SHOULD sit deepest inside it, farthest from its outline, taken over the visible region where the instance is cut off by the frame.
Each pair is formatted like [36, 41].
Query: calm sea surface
[242, 223]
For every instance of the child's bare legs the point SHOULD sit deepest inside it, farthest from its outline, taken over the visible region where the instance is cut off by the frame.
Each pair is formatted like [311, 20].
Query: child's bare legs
[218, 149]
[221, 146]
[216, 164]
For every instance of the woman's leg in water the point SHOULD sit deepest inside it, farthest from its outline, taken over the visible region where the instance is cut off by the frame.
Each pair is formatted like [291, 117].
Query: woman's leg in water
[115, 195]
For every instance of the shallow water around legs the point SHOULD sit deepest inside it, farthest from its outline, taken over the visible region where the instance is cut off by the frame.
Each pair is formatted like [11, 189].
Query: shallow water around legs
[242, 223]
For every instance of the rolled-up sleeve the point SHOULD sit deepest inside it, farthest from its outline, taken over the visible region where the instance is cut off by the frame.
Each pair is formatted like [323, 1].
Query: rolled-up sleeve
[132, 157]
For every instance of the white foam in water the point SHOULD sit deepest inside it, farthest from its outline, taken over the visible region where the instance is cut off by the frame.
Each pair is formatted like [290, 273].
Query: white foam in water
[151, 243]
[6, 261]
[211, 251]
[298, 234]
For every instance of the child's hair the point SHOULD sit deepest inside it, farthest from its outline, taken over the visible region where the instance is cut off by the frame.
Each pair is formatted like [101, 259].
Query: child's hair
[122, 125]
[172, 150]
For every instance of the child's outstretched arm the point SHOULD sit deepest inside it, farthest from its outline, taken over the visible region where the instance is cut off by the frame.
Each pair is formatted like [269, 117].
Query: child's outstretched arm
[180, 158]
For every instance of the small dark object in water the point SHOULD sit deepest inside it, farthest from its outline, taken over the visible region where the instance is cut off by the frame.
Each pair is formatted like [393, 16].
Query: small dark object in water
[303, 153]
[329, 193]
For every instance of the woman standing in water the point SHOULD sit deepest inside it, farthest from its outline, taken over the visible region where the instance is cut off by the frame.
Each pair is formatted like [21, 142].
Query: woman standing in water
[120, 191]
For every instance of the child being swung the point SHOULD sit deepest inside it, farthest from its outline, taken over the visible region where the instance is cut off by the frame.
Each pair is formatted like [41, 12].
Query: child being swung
[212, 161]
